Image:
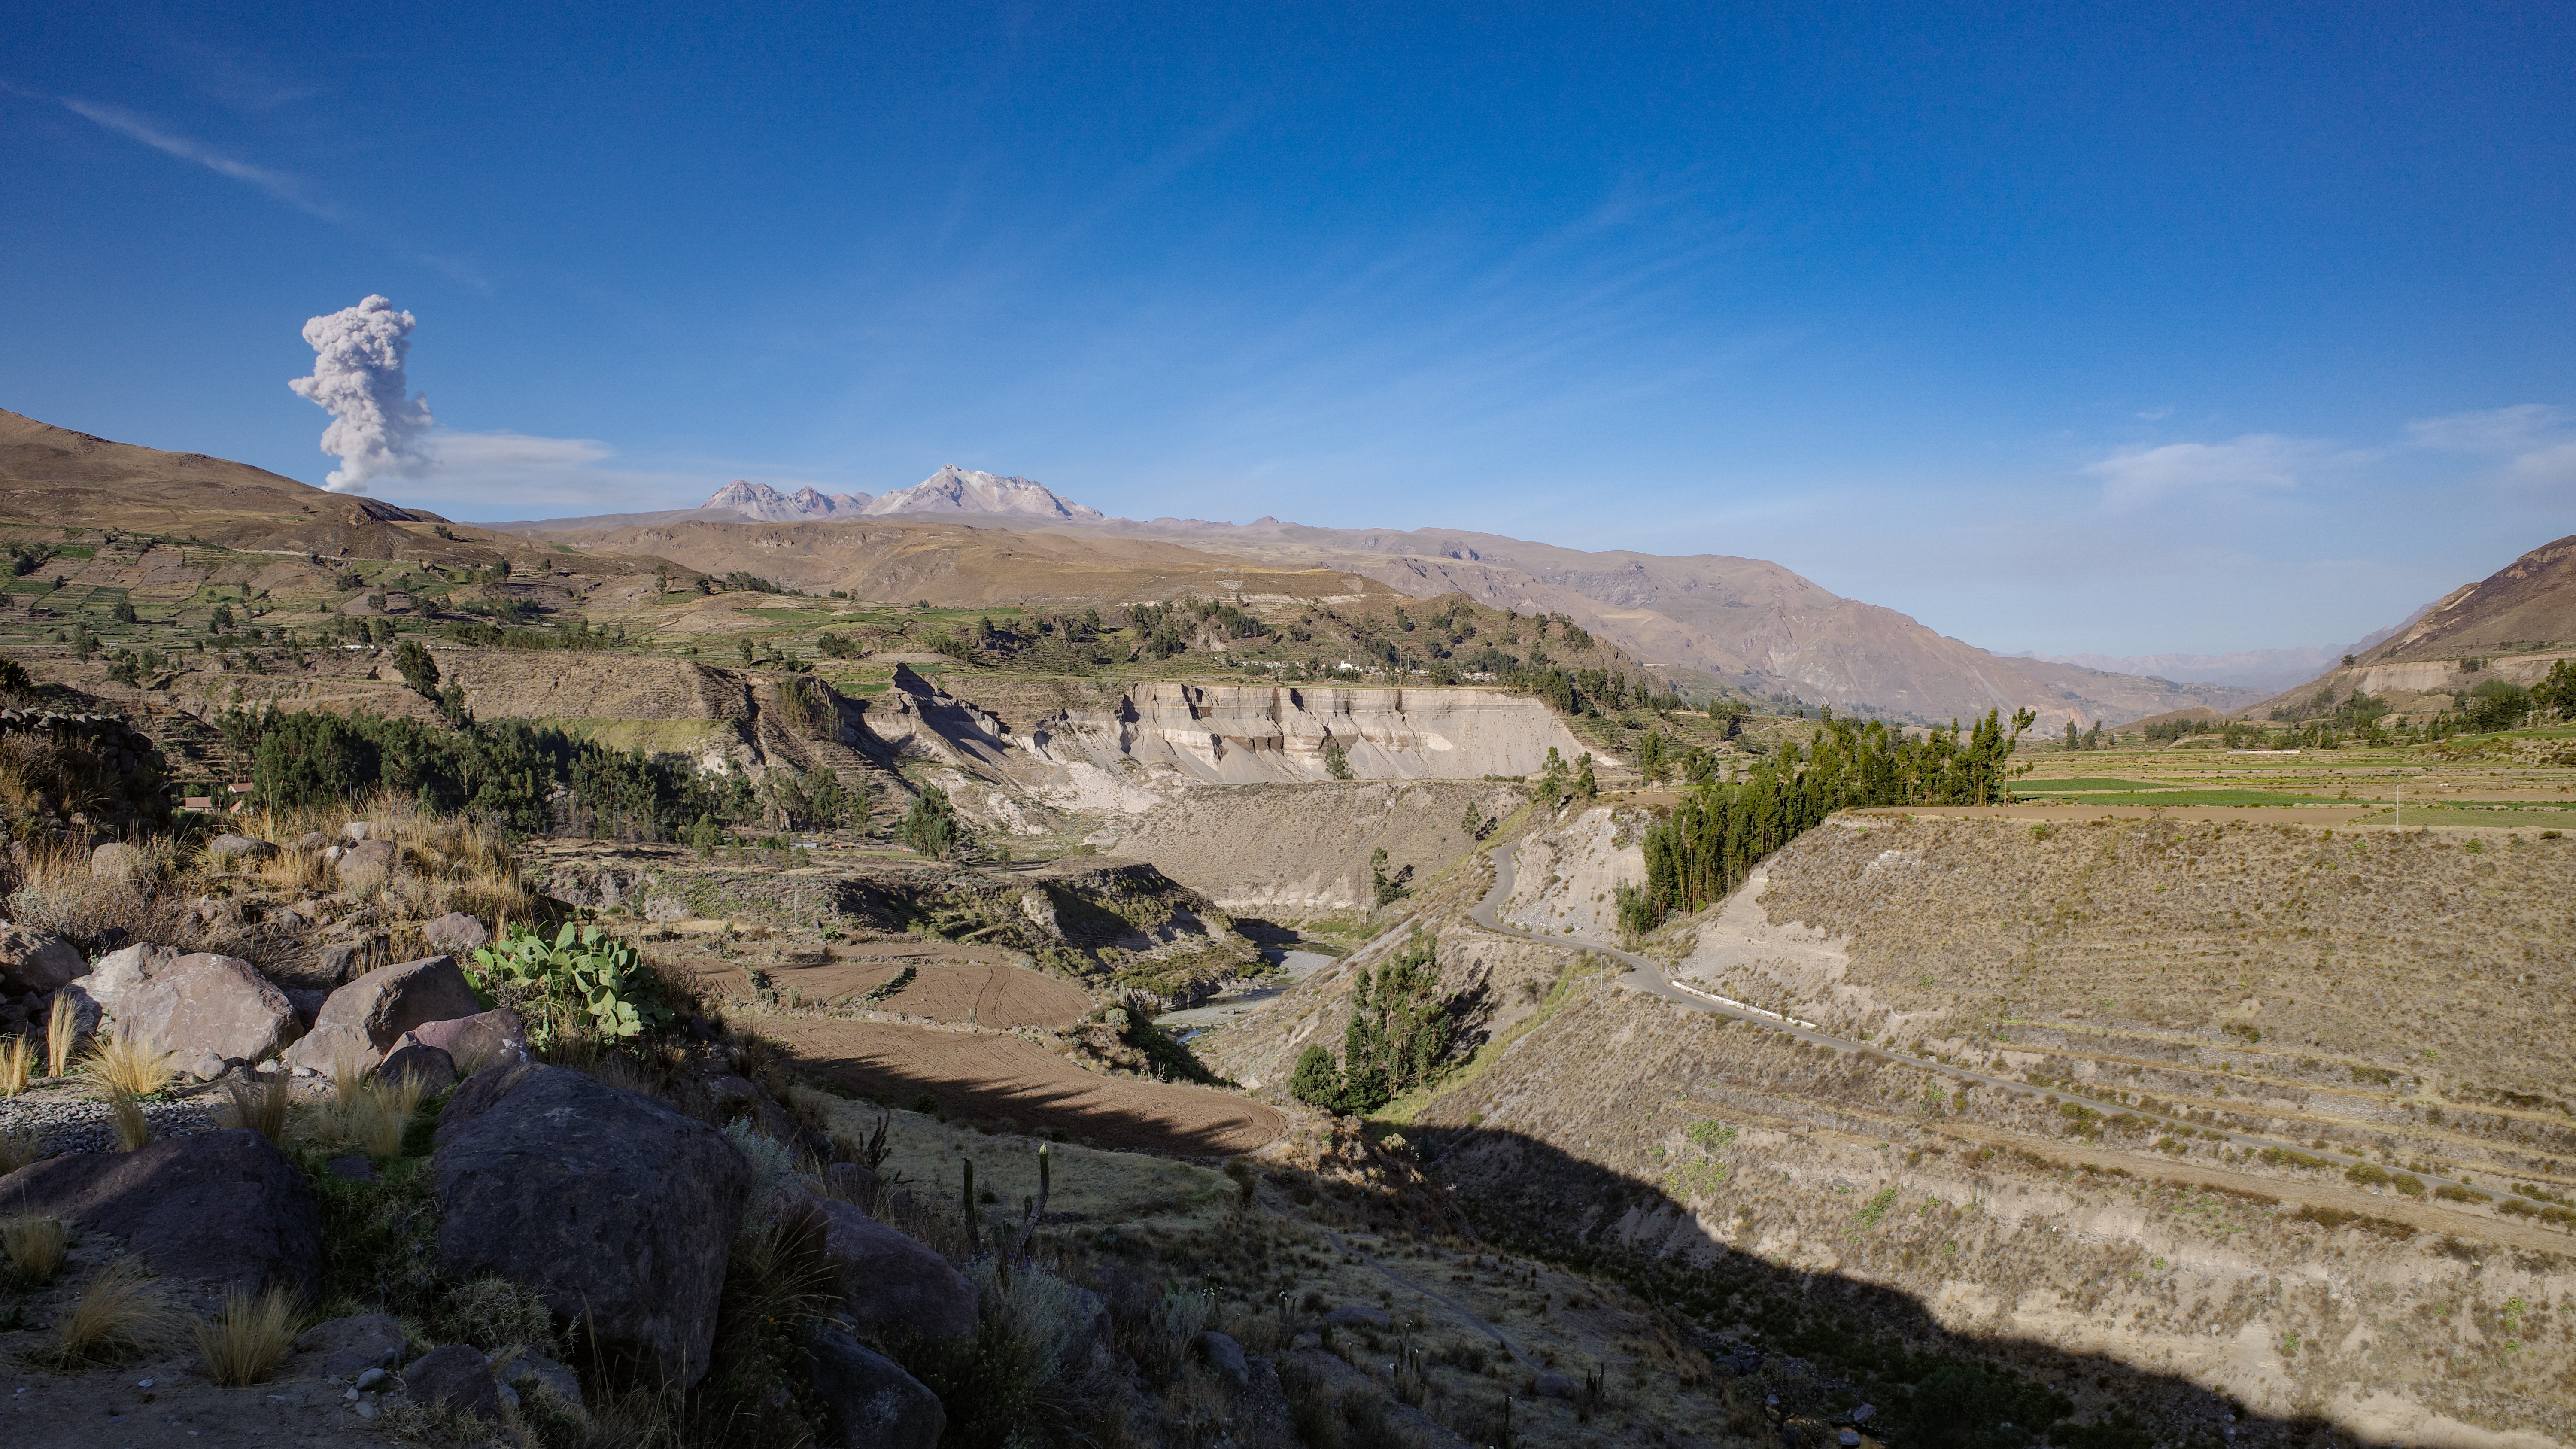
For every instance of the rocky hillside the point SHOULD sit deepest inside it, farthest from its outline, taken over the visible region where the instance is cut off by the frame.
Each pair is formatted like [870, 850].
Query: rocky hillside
[2080, 1099]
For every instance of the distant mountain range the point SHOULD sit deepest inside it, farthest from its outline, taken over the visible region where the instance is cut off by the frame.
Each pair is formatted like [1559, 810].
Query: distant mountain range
[950, 491]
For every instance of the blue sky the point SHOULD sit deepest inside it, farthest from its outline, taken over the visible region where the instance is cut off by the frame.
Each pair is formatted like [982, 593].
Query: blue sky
[2060, 328]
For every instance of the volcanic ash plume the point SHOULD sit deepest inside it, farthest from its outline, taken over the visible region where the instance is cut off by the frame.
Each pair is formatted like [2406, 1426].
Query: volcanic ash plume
[358, 378]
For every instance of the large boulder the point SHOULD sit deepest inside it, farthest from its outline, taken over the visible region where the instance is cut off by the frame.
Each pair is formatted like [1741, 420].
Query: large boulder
[116, 861]
[619, 1210]
[474, 1042]
[458, 1376]
[457, 933]
[239, 847]
[361, 1021]
[34, 962]
[367, 862]
[432, 1070]
[226, 1208]
[871, 1402]
[121, 971]
[208, 1005]
[891, 1282]
[347, 1347]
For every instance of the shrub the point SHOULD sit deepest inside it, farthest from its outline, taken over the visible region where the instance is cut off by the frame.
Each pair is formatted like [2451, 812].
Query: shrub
[258, 1103]
[243, 1344]
[585, 981]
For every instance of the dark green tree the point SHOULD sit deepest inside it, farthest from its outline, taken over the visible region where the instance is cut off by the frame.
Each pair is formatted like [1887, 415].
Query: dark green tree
[413, 662]
[1317, 1082]
[1584, 784]
[930, 827]
[2557, 692]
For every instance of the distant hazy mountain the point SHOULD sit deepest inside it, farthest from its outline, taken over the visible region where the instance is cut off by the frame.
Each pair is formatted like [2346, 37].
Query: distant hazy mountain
[2253, 668]
[951, 491]
[767, 505]
[965, 490]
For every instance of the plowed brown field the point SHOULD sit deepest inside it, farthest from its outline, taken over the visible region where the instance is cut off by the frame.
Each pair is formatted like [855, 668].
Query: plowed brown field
[972, 1074]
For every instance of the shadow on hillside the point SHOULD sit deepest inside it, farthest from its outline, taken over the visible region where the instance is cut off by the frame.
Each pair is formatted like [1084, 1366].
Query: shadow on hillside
[1862, 1342]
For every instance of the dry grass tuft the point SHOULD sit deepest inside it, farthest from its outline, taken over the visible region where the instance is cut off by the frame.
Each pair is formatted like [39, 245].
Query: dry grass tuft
[35, 1247]
[122, 1067]
[366, 1115]
[62, 1033]
[58, 893]
[243, 1344]
[17, 1065]
[122, 1312]
[258, 1104]
[133, 1129]
[18, 1147]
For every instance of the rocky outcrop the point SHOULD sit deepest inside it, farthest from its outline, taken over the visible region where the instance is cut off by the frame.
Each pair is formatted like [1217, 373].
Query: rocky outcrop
[33, 961]
[871, 1402]
[347, 1347]
[619, 1210]
[426, 1067]
[474, 1042]
[362, 1020]
[225, 1208]
[456, 934]
[207, 1006]
[891, 1282]
[458, 1376]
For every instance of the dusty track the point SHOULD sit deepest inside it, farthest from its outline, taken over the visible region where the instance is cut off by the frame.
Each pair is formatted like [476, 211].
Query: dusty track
[1647, 976]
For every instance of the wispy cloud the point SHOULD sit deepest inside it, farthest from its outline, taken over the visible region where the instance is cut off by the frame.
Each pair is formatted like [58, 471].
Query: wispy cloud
[293, 190]
[2516, 429]
[2532, 438]
[2254, 463]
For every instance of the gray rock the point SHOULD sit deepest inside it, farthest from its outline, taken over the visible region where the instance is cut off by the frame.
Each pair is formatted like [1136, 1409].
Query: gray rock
[1554, 1385]
[119, 972]
[1360, 1313]
[624, 1223]
[458, 1376]
[230, 847]
[367, 862]
[343, 961]
[345, 1348]
[204, 1066]
[432, 1069]
[116, 862]
[86, 1012]
[312, 840]
[362, 1020]
[33, 961]
[457, 934]
[356, 831]
[225, 1207]
[545, 1373]
[1226, 1356]
[205, 1003]
[475, 1042]
[872, 1403]
[890, 1282]
[852, 1182]
[307, 1002]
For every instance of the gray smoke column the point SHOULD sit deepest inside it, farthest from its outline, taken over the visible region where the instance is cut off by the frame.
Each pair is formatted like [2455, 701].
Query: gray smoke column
[358, 378]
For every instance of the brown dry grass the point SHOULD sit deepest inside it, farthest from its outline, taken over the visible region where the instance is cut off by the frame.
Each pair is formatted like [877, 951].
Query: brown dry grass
[35, 1247]
[62, 1032]
[119, 1066]
[18, 1147]
[361, 1113]
[17, 1065]
[258, 1104]
[243, 1343]
[133, 1129]
[57, 892]
[121, 1313]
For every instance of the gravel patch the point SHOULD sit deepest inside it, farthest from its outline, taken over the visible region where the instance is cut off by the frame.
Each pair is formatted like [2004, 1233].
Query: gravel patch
[63, 1124]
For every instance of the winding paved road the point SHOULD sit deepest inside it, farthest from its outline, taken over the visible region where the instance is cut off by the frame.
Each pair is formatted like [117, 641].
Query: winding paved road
[1647, 976]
